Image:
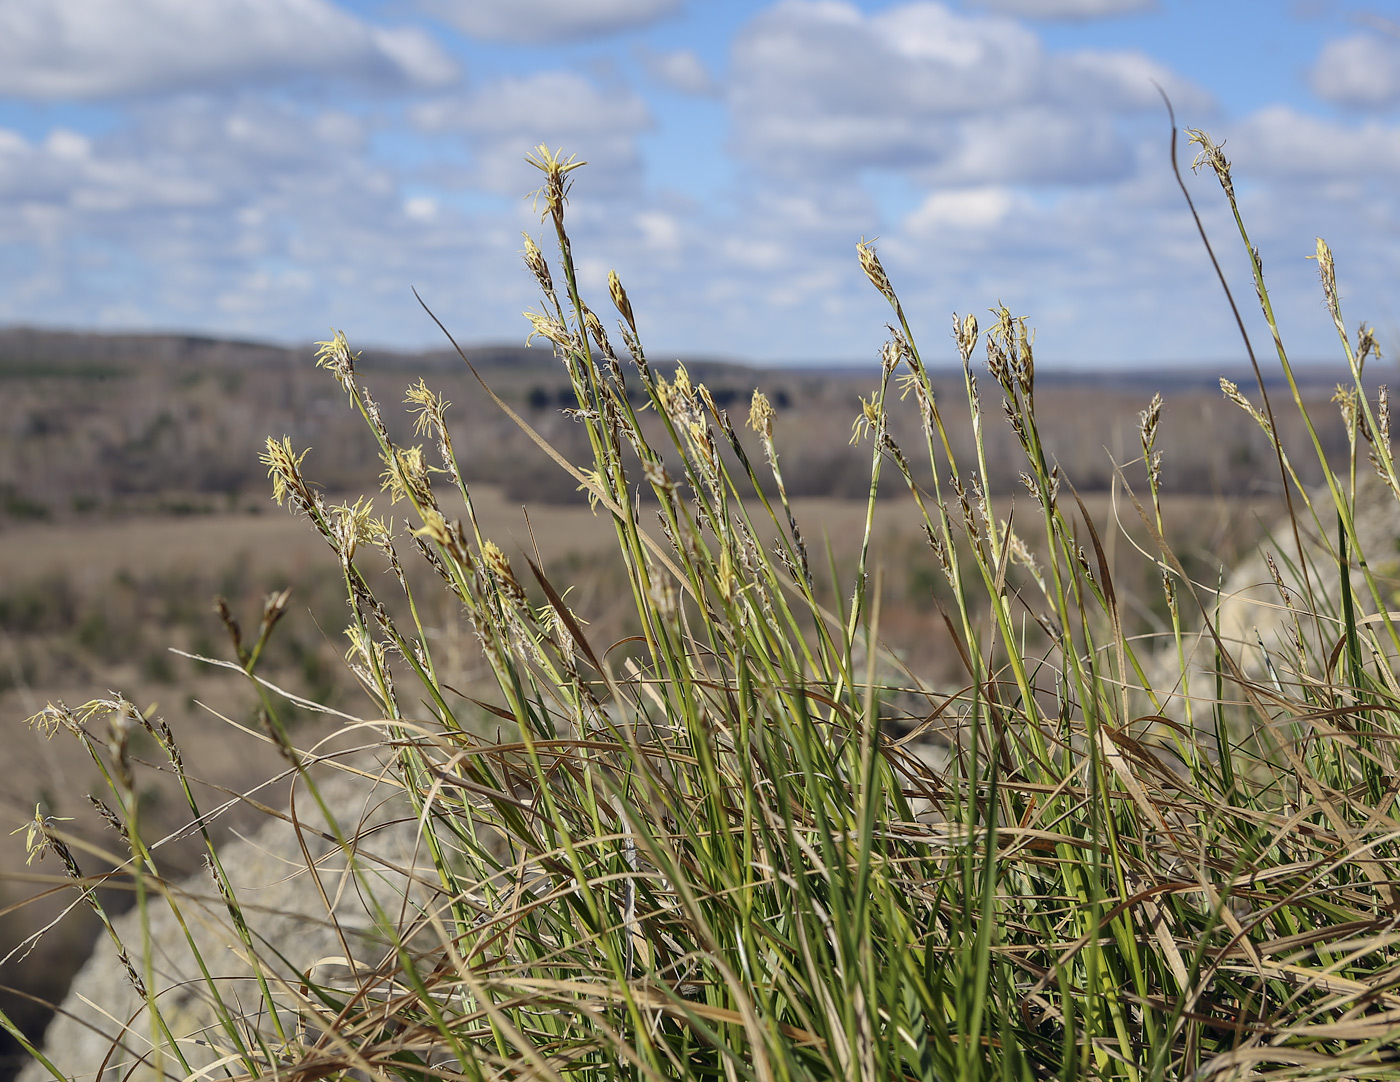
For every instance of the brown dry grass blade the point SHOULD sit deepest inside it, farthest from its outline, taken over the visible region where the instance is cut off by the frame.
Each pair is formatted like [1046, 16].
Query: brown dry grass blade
[561, 610]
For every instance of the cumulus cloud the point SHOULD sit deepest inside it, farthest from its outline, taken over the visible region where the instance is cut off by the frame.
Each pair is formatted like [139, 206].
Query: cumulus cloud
[1280, 141]
[1066, 9]
[51, 49]
[66, 173]
[681, 70]
[225, 216]
[192, 184]
[503, 121]
[1361, 70]
[819, 83]
[963, 209]
[1023, 173]
[529, 21]
[1037, 145]
[1123, 81]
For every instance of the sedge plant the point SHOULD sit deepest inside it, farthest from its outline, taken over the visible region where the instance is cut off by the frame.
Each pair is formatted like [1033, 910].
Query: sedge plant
[698, 853]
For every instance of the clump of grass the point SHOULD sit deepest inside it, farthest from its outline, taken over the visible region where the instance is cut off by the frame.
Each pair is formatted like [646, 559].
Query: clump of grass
[696, 854]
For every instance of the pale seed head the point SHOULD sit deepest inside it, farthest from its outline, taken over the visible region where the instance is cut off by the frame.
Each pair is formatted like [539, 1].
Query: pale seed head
[1212, 156]
[335, 355]
[556, 168]
[534, 260]
[284, 467]
[874, 270]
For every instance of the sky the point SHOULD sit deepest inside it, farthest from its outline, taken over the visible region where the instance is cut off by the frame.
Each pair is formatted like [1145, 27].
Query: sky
[270, 169]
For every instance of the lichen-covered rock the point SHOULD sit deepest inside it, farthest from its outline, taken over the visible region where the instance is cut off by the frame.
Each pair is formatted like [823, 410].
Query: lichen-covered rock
[296, 925]
[1261, 625]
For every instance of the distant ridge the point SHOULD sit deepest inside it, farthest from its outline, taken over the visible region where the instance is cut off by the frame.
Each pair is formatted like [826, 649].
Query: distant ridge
[27, 347]
[28, 344]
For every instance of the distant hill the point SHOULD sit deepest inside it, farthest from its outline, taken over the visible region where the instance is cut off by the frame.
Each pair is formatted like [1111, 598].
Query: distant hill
[120, 424]
[30, 345]
[29, 349]
[26, 349]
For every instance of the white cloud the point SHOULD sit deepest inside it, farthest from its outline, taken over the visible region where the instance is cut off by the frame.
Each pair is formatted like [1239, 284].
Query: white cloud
[505, 120]
[51, 49]
[1037, 145]
[1361, 71]
[964, 209]
[818, 84]
[251, 218]
[680, 70]
[267, 219]
[548, 20]
[1066, 9]
[660, 231]
[1021, 173]
[422, 208]
[1281, 142]
[65, 174]
[1125, 80]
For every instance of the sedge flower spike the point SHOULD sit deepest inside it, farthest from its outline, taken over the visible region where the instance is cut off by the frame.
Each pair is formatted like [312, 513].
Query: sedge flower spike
[555, 190]
[620, 301]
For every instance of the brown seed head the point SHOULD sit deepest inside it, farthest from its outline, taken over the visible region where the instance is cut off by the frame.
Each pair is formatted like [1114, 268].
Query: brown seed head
[1327, 271]
[874, 270]
[620, 301]
[1212, 156]
[534, 260]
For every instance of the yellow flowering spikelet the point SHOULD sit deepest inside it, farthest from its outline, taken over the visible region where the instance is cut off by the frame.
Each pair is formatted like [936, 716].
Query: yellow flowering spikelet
[284, 467]
[499, 563]
[868, 420]
[405, 476]
[336, 356]
[761, 413]
[351, 525]
[427, 408]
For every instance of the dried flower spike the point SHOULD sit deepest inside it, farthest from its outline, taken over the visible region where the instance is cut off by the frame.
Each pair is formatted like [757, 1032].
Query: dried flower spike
[874, 270]
[620, 301]
[534, 260]
[1212, 156]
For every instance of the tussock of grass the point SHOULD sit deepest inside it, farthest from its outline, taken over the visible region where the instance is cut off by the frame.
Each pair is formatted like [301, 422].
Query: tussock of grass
[694, 853]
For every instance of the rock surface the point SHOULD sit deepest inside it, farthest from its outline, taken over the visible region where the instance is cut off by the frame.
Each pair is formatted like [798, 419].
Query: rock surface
[270, 878]
[1255, 618]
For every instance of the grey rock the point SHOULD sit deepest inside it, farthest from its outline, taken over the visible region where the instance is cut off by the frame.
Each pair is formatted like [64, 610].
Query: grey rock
[1255, 622]
[290, 917]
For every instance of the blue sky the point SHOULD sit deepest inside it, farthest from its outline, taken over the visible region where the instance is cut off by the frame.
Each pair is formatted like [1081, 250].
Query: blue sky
[273, 168]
